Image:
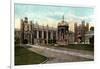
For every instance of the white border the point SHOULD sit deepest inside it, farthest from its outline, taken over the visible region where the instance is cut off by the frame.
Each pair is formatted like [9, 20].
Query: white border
[77, 3]
[12, 36]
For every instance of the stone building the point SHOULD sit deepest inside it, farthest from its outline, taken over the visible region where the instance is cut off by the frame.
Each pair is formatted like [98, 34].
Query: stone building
[80, 32]
[36, 34]
[17, 36]
[89, 36]
[71, 37]
[32, 33]
[63, 30]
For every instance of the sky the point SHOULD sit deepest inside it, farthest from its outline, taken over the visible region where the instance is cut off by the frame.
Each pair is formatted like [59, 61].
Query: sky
[52, 15]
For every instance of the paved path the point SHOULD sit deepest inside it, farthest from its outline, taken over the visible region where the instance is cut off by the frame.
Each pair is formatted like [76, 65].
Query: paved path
[56, 55]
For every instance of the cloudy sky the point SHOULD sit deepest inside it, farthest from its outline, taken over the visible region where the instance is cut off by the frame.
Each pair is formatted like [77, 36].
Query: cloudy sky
[51, 15]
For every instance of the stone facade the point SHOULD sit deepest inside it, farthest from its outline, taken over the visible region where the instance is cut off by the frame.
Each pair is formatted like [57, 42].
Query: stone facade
[80, 32]
[36, 34]
[32, 33]
[88, 36]
[63, 32]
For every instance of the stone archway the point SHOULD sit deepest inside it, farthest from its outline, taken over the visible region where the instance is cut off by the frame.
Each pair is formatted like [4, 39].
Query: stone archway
[45, 41]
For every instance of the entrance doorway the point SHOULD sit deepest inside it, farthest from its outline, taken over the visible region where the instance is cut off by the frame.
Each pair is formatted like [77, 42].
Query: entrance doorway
[25, 41]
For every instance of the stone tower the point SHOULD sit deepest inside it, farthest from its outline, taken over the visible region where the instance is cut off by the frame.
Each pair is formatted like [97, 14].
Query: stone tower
[87, 27]
[22, 31]
[63, 29]
[75, 30]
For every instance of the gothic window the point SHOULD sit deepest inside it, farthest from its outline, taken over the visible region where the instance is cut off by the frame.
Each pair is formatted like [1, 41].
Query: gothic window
[26, 27]
[54, 34]
[40, 34]
[44, 34]
[35, 34]
[49, 33]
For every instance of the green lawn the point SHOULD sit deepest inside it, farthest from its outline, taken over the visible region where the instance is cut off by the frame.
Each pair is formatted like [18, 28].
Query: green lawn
[25, 57]
[80, 47]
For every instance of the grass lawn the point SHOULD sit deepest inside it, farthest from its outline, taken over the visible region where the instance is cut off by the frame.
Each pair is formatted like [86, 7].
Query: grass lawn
[87, 47]
[25, 57]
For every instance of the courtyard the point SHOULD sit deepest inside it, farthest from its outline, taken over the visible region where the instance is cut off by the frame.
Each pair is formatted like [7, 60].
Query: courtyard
[36, 54]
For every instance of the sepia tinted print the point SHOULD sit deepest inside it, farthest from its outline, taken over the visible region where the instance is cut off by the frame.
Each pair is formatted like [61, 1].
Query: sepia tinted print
[46, 34]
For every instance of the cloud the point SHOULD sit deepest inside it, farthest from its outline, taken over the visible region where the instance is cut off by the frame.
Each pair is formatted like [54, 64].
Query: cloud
[72, 17]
